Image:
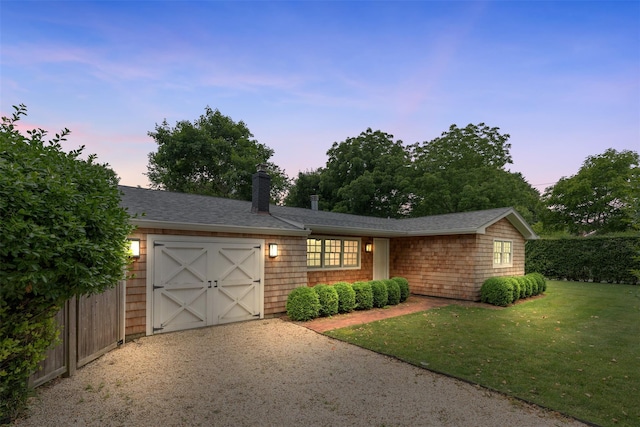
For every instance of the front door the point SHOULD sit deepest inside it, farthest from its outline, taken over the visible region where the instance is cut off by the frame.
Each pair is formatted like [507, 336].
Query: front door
[380, 259]
[204, 283]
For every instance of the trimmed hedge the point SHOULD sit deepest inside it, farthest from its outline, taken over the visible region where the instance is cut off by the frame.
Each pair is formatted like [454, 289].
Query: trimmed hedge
[503, 291]
[404, 287]
[303, 304]
[306, 303]
[393, 292]
[539, 278]
[328, 299]
[364, 295]
[346, 297]
[497, 291]
[518, 288]
[587, 259]
[380, 294]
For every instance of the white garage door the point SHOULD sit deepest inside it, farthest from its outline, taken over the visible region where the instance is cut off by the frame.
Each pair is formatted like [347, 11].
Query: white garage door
[202, 283]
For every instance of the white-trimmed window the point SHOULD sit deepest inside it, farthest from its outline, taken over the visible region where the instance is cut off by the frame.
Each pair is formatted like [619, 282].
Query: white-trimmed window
[333, 252]
[502, 253]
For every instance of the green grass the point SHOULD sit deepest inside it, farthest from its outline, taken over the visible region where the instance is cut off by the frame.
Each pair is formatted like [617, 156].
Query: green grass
[575, 350]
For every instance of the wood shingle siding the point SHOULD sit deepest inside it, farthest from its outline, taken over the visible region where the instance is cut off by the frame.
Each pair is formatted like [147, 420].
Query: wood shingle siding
[282, 274]
[454, 266]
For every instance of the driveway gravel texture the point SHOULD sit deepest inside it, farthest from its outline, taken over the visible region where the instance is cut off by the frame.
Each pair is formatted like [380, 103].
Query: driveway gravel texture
[267, 373]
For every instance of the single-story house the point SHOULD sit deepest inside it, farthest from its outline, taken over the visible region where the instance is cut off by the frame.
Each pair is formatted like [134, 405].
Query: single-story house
[207, 260]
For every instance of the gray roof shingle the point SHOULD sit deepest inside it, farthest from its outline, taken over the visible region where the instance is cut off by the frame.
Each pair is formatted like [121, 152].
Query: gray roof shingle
[190, 211]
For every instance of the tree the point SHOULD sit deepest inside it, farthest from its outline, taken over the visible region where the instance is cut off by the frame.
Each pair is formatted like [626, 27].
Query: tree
[213, 156]
[602, 197]
[63, 234]
[306, 185]
[366, 175]
[464, 170]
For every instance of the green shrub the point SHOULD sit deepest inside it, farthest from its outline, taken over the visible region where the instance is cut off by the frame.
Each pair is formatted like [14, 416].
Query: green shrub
[380, 294]
[540, 280]
[328, 299]
[532, 285]
[364, 295]
[497, 291]
[303, 304]
[24, 339]
[516, 288]
[346, 297]
[393, 292]
[404, 287]
[526, 287]
[63, 234]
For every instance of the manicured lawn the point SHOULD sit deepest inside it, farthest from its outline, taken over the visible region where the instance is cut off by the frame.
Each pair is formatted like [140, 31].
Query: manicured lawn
[575, 350]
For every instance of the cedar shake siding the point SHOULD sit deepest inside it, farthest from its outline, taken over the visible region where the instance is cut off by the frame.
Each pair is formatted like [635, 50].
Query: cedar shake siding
[281, 274]
[454, 266]
[446, 256]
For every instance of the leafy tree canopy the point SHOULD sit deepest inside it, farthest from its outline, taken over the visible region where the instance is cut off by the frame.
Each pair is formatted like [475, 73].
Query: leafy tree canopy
[63, 231]
[364, 175]
[306, 184]
[464, 170]
[602, 197]
[213, 156]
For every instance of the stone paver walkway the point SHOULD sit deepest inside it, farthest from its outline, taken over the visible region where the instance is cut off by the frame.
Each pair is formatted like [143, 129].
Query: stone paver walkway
[413, 304]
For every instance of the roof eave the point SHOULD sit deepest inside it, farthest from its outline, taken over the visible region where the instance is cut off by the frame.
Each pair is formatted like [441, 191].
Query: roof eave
[521, 225]
[216, 228]
[450, 232]
[354, 231]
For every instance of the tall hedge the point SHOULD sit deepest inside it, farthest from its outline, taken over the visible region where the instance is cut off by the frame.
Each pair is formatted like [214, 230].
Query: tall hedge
[597, 259]
[62, 234]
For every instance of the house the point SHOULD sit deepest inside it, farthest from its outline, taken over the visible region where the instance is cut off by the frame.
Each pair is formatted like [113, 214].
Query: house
[207, 260]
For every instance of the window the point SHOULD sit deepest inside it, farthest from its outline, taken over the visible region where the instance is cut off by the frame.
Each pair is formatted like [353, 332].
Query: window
[333, 252]
[502, 253]
[314, 253]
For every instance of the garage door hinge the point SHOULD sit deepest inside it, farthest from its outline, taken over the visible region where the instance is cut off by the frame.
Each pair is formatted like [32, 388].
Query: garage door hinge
[157, 329]
[257, 247]
[256, 281]
[157, 287]
[120, 342]
[157, 244]
[256, 315]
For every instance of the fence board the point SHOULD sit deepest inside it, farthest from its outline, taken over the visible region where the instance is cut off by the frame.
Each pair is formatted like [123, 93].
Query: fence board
[91, 326]
[55, 363]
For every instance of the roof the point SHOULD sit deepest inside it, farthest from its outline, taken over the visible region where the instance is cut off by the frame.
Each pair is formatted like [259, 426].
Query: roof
[182, 211]
[165, 209]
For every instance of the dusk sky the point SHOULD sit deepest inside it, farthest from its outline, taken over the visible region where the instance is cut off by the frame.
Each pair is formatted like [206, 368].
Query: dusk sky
[562, 78]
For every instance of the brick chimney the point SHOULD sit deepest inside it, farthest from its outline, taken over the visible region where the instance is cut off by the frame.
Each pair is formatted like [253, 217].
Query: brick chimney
[261, 191]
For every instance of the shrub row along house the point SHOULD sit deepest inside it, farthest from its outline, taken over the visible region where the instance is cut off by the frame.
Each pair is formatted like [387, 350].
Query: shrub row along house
[206, 260]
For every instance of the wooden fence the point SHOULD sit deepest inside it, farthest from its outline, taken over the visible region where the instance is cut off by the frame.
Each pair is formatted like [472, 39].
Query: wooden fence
[91, 326]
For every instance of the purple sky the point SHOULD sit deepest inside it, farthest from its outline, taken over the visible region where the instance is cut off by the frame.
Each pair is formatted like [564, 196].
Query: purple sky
[562, 78]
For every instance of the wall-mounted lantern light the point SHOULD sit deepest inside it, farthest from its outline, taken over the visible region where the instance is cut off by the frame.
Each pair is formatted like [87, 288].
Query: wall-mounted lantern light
[134, 248]
[273, 250]
[368, 248]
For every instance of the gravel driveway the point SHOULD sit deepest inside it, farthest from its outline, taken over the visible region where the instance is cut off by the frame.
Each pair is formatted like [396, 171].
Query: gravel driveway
[267, 373]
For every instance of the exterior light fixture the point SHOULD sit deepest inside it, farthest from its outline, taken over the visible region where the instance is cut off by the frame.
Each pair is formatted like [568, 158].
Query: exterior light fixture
[134, 248]
[368, 248]
[273, 250]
